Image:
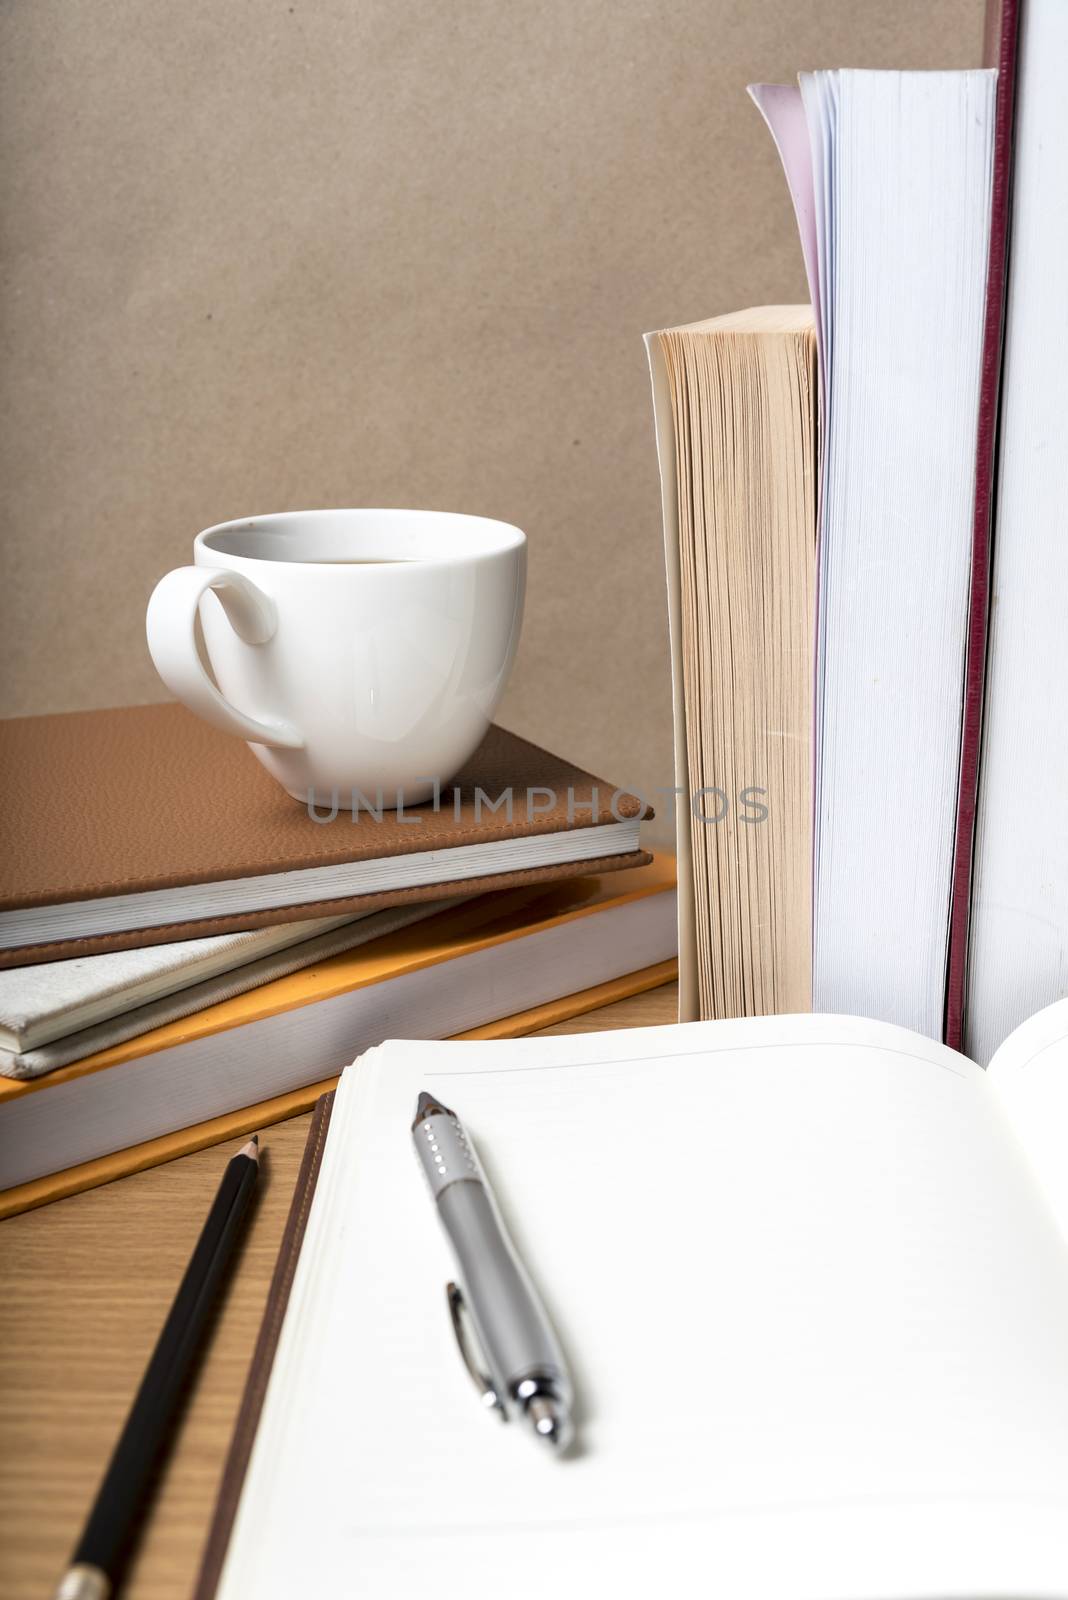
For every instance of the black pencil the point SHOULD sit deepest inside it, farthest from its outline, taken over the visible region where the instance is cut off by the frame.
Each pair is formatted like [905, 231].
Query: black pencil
[98, 1561]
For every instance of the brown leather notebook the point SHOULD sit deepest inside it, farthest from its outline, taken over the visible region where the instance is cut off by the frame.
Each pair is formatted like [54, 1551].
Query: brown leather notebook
[144, 825]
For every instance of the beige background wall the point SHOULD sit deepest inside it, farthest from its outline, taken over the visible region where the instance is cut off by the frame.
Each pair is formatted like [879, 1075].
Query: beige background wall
[261, 255]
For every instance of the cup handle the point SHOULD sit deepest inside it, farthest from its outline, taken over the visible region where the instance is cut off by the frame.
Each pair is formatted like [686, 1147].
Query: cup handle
[169, 623]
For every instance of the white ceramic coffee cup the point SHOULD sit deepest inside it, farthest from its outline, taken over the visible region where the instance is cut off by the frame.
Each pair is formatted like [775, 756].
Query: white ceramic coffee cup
[355, 650]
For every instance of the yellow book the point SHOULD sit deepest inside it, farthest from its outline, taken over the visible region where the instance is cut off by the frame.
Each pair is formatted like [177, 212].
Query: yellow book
[498, 966]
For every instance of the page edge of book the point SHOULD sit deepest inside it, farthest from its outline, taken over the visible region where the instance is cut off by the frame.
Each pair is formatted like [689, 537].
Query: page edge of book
[15, 956]
[687, 911]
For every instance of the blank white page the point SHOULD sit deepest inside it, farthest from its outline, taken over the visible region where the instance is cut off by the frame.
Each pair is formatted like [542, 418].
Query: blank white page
[1029, 1074]
[816, 1310]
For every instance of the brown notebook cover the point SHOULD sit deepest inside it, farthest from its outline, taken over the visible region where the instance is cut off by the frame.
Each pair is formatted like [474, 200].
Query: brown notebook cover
[259, 1372]
[145, 798]
[1002, 32]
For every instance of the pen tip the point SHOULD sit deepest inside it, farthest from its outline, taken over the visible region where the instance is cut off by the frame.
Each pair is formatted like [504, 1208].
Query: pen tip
[252, 1149]
[551, 1423]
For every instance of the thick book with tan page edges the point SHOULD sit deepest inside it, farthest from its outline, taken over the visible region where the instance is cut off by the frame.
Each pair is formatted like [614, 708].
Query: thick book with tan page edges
[735, 402]
[145, 825]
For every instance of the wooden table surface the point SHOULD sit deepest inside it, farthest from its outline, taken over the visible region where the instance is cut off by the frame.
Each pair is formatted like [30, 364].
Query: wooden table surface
[84, 1286]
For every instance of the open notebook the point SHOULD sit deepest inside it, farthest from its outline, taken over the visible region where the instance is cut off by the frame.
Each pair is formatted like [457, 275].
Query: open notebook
[811, 1274]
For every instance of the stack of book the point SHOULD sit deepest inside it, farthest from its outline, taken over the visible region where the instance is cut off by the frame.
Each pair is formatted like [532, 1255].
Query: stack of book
[866, 584]
[187, 954]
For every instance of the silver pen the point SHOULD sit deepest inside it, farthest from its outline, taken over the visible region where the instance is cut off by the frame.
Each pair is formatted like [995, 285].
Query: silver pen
[527, 1375]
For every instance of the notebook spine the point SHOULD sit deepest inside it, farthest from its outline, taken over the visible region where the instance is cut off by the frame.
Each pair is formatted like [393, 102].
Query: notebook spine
[259, 1372]
[1002, 30]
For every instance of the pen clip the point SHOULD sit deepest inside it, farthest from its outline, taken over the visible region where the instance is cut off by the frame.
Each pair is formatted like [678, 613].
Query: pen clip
[461, 1327]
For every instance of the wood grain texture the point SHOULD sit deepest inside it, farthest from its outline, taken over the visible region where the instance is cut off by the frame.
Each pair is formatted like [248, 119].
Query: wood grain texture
[86, 1283]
